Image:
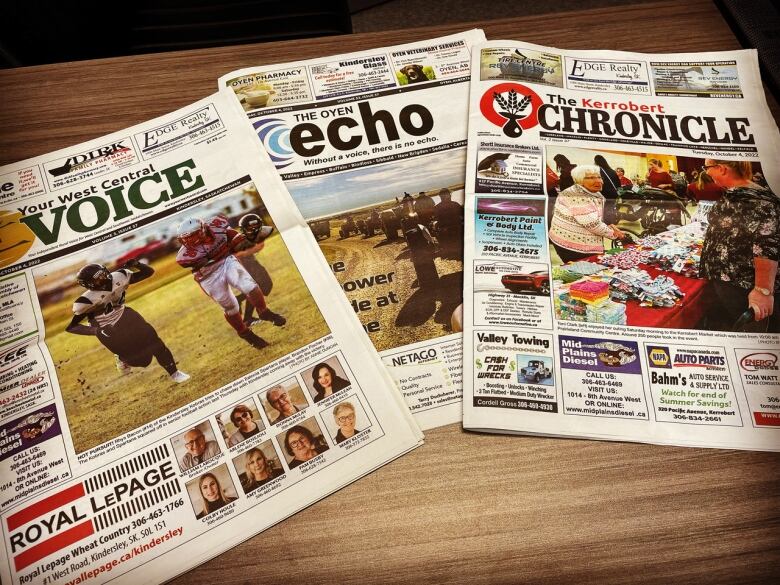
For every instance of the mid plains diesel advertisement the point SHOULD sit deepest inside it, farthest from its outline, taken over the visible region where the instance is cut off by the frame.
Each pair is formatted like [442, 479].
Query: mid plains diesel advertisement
[622, 245]
[373, 151]
[172, 361]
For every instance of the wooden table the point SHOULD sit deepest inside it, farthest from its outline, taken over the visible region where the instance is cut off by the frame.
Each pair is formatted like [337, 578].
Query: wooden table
[465, 508]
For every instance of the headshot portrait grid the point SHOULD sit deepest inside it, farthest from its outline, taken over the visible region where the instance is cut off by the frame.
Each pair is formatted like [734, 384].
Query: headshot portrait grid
[211, 491]
[283, 400]
[196, 445]
[258, 466]
[302, 442]
[240, 422]
[346, 419]
[325, 378]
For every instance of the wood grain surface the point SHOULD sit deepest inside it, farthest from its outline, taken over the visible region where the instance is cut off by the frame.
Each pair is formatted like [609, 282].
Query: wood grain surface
[465, 507]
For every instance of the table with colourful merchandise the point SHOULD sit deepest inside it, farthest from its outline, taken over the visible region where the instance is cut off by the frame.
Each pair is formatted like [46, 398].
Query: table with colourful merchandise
[651, 283]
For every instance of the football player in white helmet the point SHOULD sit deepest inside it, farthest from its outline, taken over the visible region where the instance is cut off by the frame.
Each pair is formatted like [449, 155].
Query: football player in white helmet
[208, 251]
[120, 329]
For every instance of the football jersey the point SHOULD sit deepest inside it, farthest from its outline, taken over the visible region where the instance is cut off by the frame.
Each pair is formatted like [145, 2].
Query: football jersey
[104, 307]
[215, 249]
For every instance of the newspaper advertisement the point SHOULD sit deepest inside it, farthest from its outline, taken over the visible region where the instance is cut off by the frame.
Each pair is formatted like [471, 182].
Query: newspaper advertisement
[172, 358]
[372, 147]
[622, 240]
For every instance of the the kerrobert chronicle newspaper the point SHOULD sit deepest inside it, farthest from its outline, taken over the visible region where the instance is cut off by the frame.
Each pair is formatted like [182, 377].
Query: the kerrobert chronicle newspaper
[622, 218]
[372, 147]
[173, 361]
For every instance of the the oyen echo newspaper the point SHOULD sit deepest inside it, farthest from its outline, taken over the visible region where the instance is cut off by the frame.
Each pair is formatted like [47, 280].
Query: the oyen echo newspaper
[173, 360]
[372, 146]
[622, 224]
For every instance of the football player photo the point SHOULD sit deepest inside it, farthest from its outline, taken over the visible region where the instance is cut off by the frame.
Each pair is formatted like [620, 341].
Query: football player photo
[255, 232]
[118, 328]
[132, 337]
[207, 249]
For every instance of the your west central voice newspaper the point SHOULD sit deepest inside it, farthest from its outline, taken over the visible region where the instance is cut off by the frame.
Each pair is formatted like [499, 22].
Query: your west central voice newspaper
[175, 357]
[622, 217]
[372, 147]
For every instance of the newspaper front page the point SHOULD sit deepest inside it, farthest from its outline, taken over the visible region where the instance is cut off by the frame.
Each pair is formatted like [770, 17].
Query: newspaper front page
[621, 219]
[372, 148]
[173, 360]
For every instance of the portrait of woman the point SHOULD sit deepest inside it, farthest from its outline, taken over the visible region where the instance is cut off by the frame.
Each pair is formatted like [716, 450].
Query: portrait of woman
[259, 470]
[344, 415]
[578, 229]
[213, 496]
[326, 381]
[246, 424]
[302, 446]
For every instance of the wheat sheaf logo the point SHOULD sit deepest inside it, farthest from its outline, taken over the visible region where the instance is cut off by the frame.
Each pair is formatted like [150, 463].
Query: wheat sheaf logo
[511, 106]
[513, 111]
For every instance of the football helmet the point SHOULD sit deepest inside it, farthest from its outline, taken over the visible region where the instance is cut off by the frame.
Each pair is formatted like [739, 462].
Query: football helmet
[94, 277]
[192, 231]
[252, 226]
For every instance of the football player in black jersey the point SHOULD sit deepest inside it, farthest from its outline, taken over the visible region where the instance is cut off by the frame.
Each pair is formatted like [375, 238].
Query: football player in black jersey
[120, 329]
[255, 232]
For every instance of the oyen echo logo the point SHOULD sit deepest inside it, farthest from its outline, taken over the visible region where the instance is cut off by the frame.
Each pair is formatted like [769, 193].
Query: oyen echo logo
[275, 136]
[511, 106]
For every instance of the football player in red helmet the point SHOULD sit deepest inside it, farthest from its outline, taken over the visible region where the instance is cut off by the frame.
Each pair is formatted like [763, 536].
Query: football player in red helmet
[208, 250]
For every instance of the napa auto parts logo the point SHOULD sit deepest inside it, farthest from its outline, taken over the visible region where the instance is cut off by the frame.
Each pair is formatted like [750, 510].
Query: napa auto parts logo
[756, 362]
[511, 106]
[275, 136]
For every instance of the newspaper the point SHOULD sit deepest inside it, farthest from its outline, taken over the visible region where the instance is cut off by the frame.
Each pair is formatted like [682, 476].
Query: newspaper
[372, 148]
[620, 211]
[176, 357]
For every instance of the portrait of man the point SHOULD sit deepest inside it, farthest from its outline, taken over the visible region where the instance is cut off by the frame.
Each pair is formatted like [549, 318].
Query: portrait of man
[198, 449]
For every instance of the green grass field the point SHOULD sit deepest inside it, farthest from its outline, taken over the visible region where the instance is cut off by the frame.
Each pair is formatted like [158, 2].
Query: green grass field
[101, 403]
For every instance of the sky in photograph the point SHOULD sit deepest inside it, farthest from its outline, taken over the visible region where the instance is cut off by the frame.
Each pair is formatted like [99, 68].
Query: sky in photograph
[339, 192]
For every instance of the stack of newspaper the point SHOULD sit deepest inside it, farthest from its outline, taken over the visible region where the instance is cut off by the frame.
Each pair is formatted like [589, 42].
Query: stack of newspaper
[176, 351]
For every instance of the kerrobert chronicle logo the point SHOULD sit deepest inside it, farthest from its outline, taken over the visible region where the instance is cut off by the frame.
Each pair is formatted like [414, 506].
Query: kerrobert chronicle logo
[511, 106]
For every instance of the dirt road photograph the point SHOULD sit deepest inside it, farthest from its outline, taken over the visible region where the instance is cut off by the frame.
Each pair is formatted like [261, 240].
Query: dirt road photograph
[393, 235]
